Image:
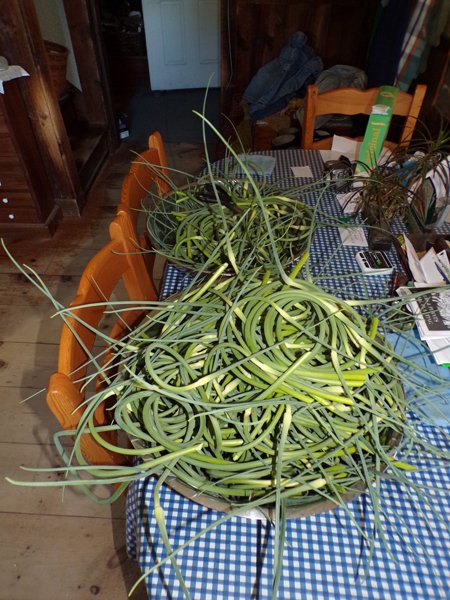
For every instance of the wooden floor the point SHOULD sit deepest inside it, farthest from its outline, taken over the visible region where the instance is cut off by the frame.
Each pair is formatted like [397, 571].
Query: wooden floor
[54, 547]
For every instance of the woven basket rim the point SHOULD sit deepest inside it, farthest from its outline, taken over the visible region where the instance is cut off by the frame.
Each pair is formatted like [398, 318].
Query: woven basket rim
[55, 48]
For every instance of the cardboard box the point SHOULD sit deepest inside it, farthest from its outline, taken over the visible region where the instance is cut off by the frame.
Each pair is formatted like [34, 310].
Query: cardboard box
[377, 128]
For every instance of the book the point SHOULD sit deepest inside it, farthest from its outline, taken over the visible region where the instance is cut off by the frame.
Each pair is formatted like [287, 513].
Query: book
[432, 311]
[434, 314]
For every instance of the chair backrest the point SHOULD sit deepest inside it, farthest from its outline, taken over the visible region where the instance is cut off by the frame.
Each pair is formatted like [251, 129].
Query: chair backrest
[352, 101]
[138, 183]
[136, 187]
[111, 266]
[155, 142]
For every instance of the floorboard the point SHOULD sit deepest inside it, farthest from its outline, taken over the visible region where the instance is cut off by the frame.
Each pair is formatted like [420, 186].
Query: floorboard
[64, 557]
[51, 547]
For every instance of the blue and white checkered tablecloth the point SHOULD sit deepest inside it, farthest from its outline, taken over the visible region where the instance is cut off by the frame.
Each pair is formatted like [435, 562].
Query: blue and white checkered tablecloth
[328, 256]
[325, 557]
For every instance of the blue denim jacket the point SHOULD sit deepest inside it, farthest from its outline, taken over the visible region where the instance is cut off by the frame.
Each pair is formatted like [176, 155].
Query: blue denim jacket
[283, 78]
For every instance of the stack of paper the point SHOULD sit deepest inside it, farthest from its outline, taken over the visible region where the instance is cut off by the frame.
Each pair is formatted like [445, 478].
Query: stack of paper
[432, 269]
[432, 313]
[342, 146]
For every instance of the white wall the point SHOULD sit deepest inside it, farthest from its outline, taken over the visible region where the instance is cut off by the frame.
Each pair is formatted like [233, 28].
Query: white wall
[54, 28]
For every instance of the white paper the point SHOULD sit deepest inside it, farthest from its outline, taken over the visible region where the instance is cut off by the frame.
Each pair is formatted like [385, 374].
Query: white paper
[329, 155]
[348, 202]
[302, 172]
[346, 146]
[353, 236]
[350, 148]
[429, 268]
[8, 72]
[414, 262]
[424, 270]
[422, 284]
[440, 349]
[444, 264]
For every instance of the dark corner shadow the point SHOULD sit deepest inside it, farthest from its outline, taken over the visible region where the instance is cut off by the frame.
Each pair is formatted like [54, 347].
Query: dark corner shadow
[120, 559]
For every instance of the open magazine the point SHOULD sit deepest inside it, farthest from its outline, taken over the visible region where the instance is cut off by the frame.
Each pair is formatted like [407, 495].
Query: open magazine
[432, 313]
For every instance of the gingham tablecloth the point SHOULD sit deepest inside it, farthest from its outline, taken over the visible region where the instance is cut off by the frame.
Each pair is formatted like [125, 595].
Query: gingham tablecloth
[324, 557]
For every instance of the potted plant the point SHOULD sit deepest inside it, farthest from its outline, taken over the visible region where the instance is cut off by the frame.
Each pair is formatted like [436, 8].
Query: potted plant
[411, 185]
[383, 196]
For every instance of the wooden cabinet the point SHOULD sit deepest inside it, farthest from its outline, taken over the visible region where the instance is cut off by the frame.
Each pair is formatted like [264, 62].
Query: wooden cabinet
[26, 199]
[46, 168]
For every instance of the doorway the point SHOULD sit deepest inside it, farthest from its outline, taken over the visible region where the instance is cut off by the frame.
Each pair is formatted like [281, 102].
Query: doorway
[122, 27]
[142, 108]
[183, 43]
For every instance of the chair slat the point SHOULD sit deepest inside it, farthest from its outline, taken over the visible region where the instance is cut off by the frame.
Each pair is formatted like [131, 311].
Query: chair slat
[352, 101]
[111, 265]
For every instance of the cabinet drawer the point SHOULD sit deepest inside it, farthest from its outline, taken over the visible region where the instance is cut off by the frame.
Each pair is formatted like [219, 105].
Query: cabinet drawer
[6, 145]
[12, 176]
[12, 200]
[22, 216]
[3, 126]
[10, 164]
[17, 207]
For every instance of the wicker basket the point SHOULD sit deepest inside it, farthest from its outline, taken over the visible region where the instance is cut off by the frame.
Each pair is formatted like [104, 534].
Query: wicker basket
[57, 58]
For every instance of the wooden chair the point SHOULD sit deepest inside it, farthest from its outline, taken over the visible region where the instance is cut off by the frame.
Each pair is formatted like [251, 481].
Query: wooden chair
[105, 271]
[352, 101]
